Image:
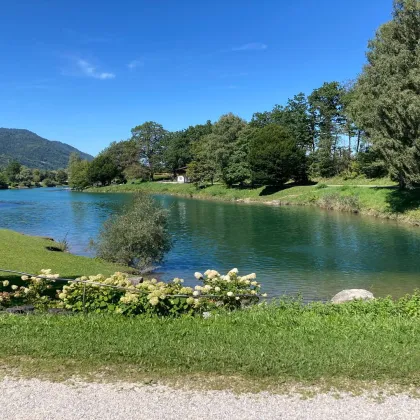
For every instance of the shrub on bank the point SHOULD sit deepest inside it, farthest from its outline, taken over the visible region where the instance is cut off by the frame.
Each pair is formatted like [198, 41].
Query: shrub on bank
[117, 294]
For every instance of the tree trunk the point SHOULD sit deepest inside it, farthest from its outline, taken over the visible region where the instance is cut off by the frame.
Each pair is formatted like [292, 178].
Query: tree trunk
[358, 141]
[401, 181]
[349, 143]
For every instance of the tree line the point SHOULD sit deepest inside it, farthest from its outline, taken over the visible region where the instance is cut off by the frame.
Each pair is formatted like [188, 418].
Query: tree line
[370, 127]
[16, 175]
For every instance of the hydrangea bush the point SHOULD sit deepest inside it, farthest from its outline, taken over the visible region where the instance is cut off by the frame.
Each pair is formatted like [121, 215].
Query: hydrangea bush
[117, 294]
[37, 291]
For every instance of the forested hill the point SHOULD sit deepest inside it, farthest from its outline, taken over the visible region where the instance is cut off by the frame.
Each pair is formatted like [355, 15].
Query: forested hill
[33, 151]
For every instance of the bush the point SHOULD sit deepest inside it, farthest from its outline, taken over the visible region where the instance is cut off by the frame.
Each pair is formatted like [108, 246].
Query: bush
[117, 294]
[38, 291]
[335, 201]
[138, 238]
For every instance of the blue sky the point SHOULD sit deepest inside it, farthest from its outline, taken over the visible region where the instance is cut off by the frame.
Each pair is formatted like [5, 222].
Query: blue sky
[86, 72]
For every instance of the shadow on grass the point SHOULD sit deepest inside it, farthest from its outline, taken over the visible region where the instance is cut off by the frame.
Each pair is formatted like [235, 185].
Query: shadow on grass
[272, 189]
[400, 201]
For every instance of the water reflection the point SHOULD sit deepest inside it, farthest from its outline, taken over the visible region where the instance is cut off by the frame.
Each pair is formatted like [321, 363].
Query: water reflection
[292, 249]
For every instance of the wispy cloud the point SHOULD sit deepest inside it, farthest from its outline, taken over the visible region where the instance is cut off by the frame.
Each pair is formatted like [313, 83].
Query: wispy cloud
[253, 46]
[89, 70]
[134, 64]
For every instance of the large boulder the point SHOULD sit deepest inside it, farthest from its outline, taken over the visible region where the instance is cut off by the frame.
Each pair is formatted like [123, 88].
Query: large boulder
[352, 294]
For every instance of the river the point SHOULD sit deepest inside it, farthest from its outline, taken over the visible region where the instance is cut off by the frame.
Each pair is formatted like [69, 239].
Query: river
[293, 250]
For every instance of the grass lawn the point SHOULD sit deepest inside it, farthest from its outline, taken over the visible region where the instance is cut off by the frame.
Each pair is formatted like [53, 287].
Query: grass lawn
[377, 198]
[29, 254]
[260, 348]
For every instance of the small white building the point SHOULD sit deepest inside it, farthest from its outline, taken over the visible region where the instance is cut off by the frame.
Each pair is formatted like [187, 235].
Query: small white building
[181, 175]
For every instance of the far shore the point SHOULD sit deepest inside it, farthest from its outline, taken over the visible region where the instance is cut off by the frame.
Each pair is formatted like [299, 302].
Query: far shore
[379, 198]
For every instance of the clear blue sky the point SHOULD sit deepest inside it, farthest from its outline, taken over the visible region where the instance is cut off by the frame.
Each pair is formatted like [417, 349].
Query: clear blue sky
[86, 72]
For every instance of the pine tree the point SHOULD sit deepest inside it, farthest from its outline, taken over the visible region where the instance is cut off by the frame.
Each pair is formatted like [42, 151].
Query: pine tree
[388, 92]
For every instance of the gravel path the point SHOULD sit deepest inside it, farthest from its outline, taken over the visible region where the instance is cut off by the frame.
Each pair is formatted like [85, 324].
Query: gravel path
[35, 400]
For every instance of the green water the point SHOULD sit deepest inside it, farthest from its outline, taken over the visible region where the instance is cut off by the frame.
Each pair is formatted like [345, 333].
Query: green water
[292, 250]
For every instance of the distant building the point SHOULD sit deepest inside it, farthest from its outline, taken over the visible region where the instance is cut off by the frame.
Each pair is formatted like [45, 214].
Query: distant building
[181, 175]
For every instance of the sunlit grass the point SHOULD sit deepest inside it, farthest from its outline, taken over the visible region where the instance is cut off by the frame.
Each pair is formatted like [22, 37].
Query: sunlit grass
[29, 254]
[269, 345]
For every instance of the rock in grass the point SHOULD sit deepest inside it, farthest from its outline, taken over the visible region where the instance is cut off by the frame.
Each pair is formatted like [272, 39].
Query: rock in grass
[352, 294]
[136, 280]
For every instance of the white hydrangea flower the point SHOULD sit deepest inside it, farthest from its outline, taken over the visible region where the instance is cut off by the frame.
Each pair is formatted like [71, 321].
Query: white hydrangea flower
[198, 275]
[230, 294]
[234, 271]
[14, 287]
[154, 300]
[196, 293]
[6, 283]
[211, 274]
[217, 289]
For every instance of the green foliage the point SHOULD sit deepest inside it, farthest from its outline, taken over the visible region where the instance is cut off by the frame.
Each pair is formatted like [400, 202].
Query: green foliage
[237, 169]
[387, 92]
[61, 177]
[149, 138]
[78, 171]
[117, 294]
[12, 171]
[102, 170]
[178, 145]
[274, 156]
[214, 154]
[4, 184]
[327, 108]
[139, 237]
[370, 163]
[47, 182]
[158, 298]
[33, 151]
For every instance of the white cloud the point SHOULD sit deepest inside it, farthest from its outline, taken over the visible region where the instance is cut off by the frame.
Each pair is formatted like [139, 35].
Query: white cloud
[90, 71]
[253, 46]
[134, 64]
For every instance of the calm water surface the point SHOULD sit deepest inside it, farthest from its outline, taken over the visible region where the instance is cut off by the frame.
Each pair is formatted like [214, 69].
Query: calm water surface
[306, 250]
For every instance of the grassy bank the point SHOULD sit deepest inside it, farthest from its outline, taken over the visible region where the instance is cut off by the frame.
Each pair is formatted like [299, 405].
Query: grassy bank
[258, 348]
[27, 253]
[376, 199]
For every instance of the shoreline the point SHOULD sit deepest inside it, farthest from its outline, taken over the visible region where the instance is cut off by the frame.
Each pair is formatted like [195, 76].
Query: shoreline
[331, 197]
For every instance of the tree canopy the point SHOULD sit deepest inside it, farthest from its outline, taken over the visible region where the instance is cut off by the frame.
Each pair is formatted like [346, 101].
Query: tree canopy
[388, 92]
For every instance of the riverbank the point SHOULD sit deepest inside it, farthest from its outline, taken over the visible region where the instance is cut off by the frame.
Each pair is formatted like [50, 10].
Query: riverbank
[379, 198]
[30, 254]
[349, 347]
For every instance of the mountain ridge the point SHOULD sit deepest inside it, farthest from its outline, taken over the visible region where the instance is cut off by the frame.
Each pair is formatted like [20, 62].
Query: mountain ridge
[34, 151]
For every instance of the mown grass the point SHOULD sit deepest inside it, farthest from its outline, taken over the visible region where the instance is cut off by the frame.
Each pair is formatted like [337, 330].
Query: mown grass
[29, 254]
[260, 347]
[379, 201]
[359, 180]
